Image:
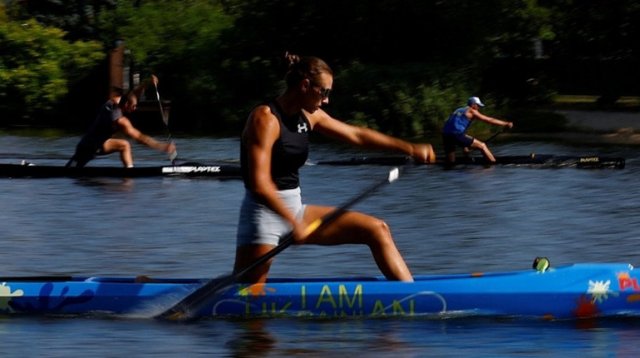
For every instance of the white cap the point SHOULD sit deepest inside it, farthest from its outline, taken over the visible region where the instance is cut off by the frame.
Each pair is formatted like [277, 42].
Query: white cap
[475, 100]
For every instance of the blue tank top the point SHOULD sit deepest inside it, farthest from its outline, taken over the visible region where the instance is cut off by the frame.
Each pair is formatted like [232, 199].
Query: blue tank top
[457, 122]
[290, 151]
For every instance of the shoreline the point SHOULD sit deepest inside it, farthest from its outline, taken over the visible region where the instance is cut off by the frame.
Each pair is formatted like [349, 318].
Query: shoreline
[592, 127]
[617, 138]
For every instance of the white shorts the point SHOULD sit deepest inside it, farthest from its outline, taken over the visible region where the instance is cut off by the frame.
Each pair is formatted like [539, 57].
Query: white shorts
[259, 225]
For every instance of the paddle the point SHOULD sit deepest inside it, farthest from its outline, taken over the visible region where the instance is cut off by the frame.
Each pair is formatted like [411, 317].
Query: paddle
[165, 119]
[184, 310]
[504, 129]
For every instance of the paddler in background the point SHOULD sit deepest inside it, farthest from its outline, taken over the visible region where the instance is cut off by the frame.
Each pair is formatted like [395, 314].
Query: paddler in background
[275, 144]
[111, 119]
[454, 130]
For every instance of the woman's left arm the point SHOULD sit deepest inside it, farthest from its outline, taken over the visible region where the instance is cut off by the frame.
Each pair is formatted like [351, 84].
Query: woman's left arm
[368, 138]
[490, 120]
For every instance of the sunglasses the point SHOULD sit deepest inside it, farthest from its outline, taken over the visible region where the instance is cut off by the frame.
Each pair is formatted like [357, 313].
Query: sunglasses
[324, 92]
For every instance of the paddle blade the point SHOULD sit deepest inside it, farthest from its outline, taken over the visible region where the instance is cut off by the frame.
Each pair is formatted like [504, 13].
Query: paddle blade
[186, 309]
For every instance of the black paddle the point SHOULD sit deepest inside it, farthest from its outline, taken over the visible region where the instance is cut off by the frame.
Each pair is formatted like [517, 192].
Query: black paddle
[185, 309]
[504, 129]
[165, 119]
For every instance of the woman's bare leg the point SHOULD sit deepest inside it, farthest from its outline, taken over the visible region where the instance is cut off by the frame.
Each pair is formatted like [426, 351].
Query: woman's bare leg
[357, 228]
[485, 150]
[247, 255]
[123, 147]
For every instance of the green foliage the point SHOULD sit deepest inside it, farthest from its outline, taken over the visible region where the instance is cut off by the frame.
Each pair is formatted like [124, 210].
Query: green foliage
[533, 121]
[409, 101]
[178, 41]
[77, 18]
[596, 50]
[160, 31]
[418, 59]
[605, 29]
[38, 66]
[401, 65]
[517, 25]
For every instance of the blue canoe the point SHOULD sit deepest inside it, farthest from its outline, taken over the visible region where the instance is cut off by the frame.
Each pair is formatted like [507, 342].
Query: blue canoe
[564, 292]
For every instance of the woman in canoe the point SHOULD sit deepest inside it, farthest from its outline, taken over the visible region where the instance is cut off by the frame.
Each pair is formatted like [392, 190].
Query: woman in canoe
[275, 144]
[110, 120]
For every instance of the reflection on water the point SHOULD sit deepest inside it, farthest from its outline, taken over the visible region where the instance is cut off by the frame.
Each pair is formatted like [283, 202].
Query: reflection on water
[251, 340]
[423, 337]
[109, 184]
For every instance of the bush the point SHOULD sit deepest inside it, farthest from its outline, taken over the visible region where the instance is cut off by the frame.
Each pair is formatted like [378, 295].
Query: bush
[38, 66]
[532, 121]
[404, 101]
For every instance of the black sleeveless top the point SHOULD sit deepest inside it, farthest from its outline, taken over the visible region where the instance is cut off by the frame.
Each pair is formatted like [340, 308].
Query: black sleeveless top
[103, 127]
[290, 151]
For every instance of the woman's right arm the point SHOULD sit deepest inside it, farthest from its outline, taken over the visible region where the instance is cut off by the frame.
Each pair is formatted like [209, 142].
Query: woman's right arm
[260, 134]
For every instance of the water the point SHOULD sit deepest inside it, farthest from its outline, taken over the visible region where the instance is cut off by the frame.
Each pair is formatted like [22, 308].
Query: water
[463, 220]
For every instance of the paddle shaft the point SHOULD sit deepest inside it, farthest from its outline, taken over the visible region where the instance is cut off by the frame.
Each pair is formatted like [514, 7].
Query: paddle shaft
[492, 137]
[184, 309]
[165, 120]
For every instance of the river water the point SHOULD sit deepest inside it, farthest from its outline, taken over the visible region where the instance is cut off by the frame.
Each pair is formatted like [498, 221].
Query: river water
[444, 221]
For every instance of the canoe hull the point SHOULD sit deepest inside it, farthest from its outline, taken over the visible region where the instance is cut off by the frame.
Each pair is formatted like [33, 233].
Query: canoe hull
[567, 292]
[531, 160]
[183, 170]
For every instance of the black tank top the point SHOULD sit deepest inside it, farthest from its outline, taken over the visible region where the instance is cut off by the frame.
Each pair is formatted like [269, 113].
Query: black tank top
[289, 153]
[103, 127]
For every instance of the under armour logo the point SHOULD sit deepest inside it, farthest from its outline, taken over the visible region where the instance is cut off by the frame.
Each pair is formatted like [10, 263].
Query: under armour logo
[302, 128]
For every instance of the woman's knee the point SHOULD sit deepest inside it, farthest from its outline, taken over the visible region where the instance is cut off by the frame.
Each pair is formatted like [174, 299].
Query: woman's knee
[380, 231]
[125, 146]
[116, 145]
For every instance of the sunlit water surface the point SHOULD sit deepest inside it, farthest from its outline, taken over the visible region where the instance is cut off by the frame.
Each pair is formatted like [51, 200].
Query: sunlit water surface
[461, 220]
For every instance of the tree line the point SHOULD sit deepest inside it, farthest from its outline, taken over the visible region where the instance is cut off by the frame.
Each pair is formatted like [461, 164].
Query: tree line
[401, 65]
